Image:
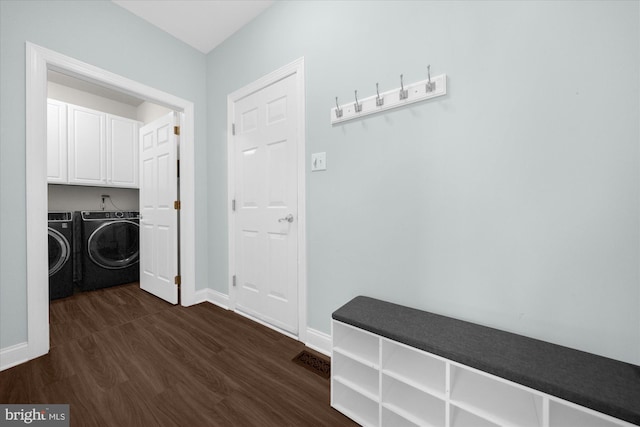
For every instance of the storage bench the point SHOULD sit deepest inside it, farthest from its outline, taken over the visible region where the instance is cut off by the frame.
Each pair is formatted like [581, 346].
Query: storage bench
[397, 366]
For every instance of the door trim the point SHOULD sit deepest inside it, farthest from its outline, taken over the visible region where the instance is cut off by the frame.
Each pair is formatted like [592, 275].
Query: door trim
[38, 61]
[296, 67]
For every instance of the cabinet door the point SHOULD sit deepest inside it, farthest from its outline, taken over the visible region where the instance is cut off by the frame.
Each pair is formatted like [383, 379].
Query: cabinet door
[87, 151]
[122, 152]
[56, 142]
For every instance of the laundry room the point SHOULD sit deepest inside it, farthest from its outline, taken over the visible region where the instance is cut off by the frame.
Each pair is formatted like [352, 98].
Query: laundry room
[93, 184]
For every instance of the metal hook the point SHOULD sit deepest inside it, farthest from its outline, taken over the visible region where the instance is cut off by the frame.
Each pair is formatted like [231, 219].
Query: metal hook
[431, 86]
[404, 93]
[379, 101]
[338, 109]
[357, 105]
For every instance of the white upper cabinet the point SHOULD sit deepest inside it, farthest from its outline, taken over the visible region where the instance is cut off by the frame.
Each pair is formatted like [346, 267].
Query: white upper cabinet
[56, 141]
[122, 155]
[89, 147]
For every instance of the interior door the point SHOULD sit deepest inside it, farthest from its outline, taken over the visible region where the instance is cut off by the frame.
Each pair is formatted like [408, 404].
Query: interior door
[266, 232]
[159, 264]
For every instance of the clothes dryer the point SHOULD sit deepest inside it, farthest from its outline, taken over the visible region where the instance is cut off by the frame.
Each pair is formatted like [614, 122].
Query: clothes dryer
[111, 248]
[60, 230]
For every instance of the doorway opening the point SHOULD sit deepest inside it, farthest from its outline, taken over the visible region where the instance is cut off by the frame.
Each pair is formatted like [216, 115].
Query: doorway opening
[39, 62]
[93, 170]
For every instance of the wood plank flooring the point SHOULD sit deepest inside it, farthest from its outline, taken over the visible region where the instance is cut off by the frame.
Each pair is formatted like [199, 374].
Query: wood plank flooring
[122, 357]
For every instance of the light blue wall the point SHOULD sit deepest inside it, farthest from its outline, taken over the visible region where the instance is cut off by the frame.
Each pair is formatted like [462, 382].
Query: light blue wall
[512, 202]
[109, 37]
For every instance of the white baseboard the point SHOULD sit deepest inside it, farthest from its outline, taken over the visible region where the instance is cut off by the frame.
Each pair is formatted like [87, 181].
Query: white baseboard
[214, 297]
[319, 341]
[219, 299]
[14, 355]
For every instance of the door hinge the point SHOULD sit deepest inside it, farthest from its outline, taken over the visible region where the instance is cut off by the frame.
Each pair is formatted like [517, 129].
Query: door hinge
[233, 128]
[176, 130]
[178, 280]
[176, 205]
[233, 280]
[233, 205]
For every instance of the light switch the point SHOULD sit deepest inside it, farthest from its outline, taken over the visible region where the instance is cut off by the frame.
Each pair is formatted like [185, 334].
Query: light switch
[318, 162]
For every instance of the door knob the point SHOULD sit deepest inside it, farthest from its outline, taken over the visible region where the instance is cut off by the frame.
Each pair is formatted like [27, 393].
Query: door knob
[288, 218]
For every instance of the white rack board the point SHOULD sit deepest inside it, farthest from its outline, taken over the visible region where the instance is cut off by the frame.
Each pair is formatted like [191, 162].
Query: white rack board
[415, 92]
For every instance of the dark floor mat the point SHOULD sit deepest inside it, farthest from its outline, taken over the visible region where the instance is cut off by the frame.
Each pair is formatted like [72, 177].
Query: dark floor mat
[313, 362]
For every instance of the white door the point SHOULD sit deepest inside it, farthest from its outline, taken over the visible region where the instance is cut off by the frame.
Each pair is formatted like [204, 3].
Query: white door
[266, 199]
[159, 218]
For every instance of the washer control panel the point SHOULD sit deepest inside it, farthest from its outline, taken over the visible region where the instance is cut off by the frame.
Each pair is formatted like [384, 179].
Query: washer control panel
[109, 215]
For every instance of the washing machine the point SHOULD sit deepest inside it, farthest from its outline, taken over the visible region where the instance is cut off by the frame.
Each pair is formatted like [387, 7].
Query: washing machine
[60, 254]
[110, 254]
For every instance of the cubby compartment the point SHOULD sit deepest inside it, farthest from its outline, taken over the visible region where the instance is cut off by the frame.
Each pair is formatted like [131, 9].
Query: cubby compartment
[411, 403]
[355, 405]
[562, 415]
[359, 377]
[462, 418]
[356, 344]
[414, 367]
[391, 419]
[494, 399]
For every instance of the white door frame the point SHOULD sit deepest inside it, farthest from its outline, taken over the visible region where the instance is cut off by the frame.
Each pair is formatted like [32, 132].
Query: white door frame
[296, 67]
[38, 61]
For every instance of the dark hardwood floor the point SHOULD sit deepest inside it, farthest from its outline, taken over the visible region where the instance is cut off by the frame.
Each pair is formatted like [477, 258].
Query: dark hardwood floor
[122, 357]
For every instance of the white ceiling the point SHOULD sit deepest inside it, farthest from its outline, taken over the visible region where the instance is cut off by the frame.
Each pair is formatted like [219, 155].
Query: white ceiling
[203, 24]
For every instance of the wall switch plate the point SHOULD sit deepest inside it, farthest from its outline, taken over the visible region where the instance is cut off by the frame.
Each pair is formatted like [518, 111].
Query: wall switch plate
[318, 162]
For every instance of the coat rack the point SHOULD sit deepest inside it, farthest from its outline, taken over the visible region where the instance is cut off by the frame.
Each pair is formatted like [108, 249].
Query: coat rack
[432, 87]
